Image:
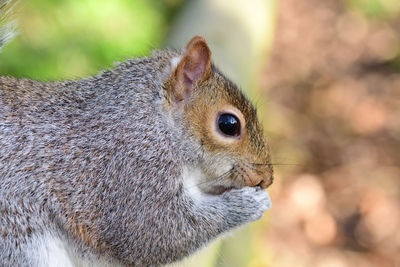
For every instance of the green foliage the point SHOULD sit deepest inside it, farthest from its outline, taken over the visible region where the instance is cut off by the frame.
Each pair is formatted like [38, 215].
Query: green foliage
[75, 38]
[381, 9]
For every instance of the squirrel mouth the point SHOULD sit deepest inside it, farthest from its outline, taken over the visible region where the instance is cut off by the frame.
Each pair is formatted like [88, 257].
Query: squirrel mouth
[218, 190]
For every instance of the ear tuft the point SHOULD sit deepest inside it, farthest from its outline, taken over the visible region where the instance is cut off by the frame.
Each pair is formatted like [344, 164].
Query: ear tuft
[194, 67]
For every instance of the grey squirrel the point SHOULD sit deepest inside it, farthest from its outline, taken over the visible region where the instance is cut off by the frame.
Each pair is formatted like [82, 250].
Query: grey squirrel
[140, 165]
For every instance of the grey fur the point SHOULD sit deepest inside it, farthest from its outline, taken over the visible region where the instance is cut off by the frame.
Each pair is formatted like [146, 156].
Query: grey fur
[98, 162]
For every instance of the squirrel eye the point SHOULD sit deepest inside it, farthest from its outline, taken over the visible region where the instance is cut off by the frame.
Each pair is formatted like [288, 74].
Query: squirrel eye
[229, 124]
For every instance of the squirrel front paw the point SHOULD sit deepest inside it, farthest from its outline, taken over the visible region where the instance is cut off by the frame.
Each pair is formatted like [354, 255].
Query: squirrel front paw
[246, 204]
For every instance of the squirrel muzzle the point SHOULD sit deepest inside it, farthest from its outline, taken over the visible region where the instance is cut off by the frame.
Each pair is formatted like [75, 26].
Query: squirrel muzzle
[254, 175]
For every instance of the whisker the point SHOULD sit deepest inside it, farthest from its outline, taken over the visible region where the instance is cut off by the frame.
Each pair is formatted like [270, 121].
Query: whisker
[273, 164]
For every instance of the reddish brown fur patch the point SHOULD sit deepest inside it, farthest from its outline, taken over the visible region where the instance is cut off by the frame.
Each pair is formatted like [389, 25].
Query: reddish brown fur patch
[85, 233]
[211, 97]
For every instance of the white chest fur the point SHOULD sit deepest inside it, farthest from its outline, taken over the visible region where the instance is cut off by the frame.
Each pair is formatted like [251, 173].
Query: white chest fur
[49, 250]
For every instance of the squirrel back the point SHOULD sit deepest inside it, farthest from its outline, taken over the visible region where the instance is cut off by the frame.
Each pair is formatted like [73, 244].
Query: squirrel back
[140, 165]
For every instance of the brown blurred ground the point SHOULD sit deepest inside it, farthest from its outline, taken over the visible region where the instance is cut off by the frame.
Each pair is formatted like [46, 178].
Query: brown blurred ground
[333, 90]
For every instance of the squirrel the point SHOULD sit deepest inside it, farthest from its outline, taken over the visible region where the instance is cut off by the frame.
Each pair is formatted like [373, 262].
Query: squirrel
[140, 165]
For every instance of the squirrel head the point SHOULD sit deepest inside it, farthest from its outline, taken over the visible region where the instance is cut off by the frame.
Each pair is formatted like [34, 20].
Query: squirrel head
[232, 150]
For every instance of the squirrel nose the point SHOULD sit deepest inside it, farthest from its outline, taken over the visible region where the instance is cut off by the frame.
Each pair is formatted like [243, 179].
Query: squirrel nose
[261, 176]
[266, 181]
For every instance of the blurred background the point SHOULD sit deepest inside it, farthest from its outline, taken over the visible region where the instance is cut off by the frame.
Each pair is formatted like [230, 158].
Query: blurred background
[325, 76]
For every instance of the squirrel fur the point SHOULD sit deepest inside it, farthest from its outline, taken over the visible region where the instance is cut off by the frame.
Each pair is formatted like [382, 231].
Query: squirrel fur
[127, 167]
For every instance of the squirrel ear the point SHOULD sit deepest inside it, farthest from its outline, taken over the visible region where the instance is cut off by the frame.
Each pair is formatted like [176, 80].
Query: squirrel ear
[194, 67]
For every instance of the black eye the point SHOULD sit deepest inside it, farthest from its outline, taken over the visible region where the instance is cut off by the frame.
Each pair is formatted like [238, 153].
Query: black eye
[229, 124]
